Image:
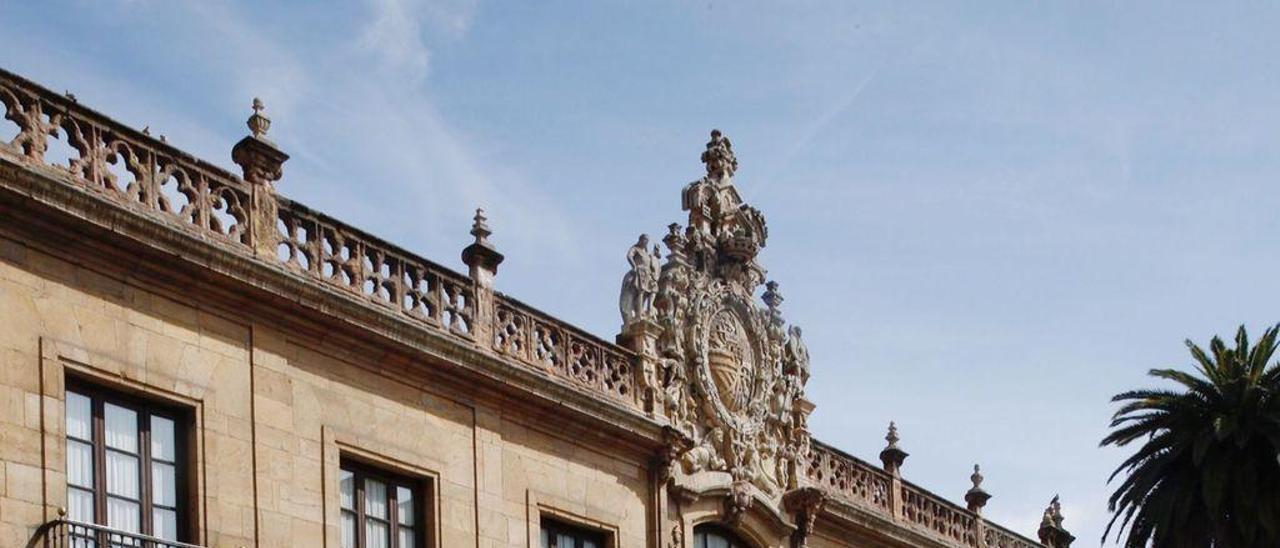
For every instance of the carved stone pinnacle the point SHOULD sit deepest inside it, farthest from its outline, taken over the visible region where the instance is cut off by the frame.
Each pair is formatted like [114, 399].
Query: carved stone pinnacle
[893, 456]
[976, 496]
[481, 256]
[480, 228]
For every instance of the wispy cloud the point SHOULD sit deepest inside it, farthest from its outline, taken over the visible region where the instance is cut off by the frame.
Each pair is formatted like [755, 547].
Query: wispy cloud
[395, 34]
[368, 141]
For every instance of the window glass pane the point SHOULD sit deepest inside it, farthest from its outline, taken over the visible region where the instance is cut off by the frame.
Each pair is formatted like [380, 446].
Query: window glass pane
[348, 530]
[80, 464]
[375, 499]
[122, 474]
[546, 538]
[406, 538]
[404, 505]
[122, 428]
[166, 524]
[717, 541]
[589, 544]
[162, 439]
[564, 541]
[80, 505]
[78, 416]
[123, 514]
[163, 484]
[376, 534]
[346, 489]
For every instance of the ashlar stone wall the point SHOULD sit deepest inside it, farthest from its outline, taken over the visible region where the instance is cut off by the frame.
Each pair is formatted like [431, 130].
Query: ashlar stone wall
[275, 412]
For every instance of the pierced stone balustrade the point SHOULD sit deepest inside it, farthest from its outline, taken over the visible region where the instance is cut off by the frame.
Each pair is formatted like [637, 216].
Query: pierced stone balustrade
[522, 333]
[867, 486]
[144, 174]
[52, 134]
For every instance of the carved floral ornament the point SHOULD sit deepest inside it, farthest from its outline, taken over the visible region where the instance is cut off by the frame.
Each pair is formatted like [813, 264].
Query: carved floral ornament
[720, 366]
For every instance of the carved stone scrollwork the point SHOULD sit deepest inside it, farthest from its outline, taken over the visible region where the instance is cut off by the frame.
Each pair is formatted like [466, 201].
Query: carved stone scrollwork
[805, 504]
[728, 372]
[35, 126]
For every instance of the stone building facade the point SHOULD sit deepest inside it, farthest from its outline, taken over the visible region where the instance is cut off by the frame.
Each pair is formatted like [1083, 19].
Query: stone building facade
[187, 357]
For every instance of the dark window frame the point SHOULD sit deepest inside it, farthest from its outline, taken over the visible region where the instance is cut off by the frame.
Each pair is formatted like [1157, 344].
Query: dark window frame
[420, 487]
[145, 408]
[552, 528]
[701, 532]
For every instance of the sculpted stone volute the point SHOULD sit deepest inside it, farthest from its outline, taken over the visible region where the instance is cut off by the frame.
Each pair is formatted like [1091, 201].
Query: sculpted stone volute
[731, 373]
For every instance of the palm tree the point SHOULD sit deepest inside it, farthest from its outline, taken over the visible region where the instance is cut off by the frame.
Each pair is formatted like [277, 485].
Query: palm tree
[1207, 473]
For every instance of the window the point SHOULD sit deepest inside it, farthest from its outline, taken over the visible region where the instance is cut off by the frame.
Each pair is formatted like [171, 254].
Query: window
[125, 463]
[714, 536]
[379, 510]
[556, 534]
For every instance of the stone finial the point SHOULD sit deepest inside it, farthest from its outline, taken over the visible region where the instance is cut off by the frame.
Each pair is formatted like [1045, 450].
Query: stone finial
[258, 157]
[481, 256]
[258, 123]
[976, 497]
[893, 456]
[718, 157]
[1051, 532]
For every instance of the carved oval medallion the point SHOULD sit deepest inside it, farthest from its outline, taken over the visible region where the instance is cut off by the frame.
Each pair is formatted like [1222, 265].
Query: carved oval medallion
[731, 361]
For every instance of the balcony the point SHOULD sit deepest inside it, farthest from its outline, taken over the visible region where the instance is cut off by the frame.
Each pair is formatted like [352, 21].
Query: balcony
[64, 533]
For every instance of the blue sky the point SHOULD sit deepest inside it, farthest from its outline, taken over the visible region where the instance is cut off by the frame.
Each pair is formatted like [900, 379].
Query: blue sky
[988, 217]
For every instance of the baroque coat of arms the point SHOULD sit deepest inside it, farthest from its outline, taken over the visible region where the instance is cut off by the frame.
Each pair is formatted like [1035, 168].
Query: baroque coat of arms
[720, 364]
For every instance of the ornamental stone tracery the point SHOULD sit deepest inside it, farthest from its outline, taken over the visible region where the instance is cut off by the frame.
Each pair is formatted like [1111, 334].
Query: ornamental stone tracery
[723, 369]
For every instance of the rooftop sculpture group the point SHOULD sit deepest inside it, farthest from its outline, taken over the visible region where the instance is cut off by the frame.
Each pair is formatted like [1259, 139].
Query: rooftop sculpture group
[724, 370]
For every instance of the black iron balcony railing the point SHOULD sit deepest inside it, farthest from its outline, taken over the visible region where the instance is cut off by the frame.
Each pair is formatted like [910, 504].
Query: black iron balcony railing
[63, 533]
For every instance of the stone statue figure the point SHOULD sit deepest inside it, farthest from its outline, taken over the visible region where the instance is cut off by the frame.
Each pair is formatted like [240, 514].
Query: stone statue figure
[655, 267]
[797, 355]
[719, 158]
[706, 455]
[640, 284]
